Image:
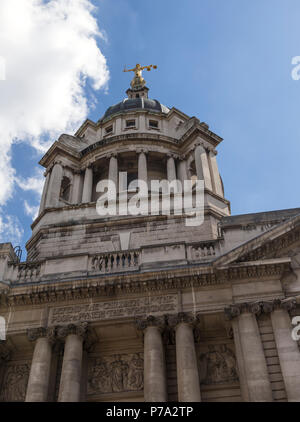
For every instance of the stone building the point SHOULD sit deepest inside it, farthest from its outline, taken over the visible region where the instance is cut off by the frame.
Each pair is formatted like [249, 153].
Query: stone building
[145, 307]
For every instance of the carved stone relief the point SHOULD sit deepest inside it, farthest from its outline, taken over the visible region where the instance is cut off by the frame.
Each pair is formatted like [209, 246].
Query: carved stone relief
[116, 374]
[218, 365]
[15, 382]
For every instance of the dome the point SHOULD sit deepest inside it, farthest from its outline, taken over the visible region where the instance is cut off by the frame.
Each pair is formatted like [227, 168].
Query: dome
[129, 104]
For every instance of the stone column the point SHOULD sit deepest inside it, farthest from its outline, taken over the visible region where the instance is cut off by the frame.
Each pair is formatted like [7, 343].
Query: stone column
[70, 382]
[171, 169]
[77, 187]
[215, 173]
[44, 194]
[54, 186]
[254, 366]
[87, 185]
[182, 171]
[187, 366]
[287, 348]
[142, 167]
[113, 170]
[202, 166]
[155, 383]
[38, 383]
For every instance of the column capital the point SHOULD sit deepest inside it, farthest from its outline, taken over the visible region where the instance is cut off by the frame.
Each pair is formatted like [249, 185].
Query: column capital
[112, 155]
[288, 304]
[181, 318]
[142, 150]
[237, 309]
[77, 329]
[151, 321]
[34, 334]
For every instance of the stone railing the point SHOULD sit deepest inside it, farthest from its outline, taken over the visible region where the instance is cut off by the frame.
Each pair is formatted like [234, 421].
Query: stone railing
[113, 262]
[25, 271]
[202, 251]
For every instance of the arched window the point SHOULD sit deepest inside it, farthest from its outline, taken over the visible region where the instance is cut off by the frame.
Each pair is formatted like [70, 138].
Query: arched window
[65, 189]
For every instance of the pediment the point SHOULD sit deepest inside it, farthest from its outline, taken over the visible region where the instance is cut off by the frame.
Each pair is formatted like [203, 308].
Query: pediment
[282, 240]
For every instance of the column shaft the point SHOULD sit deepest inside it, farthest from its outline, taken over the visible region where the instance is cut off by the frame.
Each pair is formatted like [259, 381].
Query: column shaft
[257, 377]
[187, 367]
[288, 352]
[69, 389]
[113, 171]
[54, 186]
[142, 167]
[38, 384]
[171, 170]
[77, 186]
[155, 386]
[44, 194]
[182, 172]
[202, 166]
[87, 185]
[216, 174]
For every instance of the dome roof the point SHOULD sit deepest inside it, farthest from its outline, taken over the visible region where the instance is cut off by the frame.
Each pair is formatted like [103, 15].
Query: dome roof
[129, 104]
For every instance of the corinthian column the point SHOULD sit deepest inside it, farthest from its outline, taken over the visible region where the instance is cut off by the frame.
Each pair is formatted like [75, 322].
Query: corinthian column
[113, 170]
[38, 383]
[70, 382]
[142, 167]
[87, 185]
[187, 366]
[252, 364]
[171, 169]
[182, 171]
[44, 194]
[54, 186]
[288, 351]
[155, 383]
[202, 166]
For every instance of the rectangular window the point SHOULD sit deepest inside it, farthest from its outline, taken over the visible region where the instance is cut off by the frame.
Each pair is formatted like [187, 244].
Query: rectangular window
[153, 124]
[130, 123]
[108, 129]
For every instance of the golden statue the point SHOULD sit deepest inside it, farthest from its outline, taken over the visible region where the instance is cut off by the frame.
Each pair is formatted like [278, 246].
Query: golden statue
[138, 81]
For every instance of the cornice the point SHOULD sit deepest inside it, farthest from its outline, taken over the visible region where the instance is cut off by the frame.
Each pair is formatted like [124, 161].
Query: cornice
[156, 281]
[264, 245]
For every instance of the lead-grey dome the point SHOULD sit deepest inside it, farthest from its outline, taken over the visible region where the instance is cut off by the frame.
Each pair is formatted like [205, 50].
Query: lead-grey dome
[129, 104]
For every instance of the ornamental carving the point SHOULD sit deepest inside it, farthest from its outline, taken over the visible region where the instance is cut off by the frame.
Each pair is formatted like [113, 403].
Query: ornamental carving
[138, 307]
[218, 365]
[236, 309]
[116, 374]
[35, 333]
[181, 317]
[15, 383]
[151, 321]
[77, 329]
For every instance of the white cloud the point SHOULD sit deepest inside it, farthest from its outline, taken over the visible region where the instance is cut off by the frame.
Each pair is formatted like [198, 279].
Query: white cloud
[50, 50]
[31, 210]
[34, 183]
[10, 229]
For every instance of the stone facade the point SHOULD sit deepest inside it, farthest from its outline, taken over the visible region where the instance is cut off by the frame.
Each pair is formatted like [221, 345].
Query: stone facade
[179, 313]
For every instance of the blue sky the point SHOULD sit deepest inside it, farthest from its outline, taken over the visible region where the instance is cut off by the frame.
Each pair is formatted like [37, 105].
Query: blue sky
[226, 62]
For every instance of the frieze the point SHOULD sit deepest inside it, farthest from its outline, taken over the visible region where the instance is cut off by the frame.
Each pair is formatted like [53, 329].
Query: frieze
[116, 374]
[113, 309]
[15, 383]
[218, 365]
